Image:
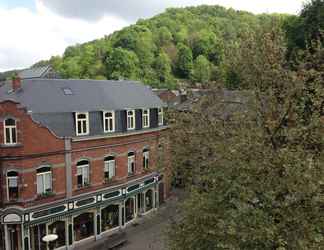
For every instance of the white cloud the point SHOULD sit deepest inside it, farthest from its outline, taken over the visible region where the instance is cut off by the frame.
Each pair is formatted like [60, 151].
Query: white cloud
[28, 37]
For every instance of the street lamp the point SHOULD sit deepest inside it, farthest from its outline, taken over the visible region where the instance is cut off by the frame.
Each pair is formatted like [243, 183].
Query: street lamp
[49, 239]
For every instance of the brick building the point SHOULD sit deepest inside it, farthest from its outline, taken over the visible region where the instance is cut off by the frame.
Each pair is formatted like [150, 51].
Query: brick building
[79, 158]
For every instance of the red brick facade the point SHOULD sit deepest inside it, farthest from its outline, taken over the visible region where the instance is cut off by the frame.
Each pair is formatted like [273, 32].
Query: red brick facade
[38, 146]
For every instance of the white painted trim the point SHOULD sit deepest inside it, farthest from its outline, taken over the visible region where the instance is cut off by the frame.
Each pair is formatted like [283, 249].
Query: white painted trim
[131, 116]
[148, 118]
[11, 127]
[104, 121]
[86, 120]
[160, 112]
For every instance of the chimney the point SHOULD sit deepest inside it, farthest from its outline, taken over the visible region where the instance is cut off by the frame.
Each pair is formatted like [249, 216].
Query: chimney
[16, 83]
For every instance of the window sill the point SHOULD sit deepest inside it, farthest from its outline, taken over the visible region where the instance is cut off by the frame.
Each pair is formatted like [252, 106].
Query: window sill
[83, 187]
[17, 145]
[45, 195]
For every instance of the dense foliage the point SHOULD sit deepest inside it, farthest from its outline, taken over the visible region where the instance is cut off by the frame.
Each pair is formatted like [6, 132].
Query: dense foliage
[181, 45]
[255, 172]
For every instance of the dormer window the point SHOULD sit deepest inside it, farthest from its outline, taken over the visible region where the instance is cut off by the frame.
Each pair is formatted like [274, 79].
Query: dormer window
[130, 119]
[109, 121]
[82, 123]
[160, 116]
[10, 131]
[146, 118]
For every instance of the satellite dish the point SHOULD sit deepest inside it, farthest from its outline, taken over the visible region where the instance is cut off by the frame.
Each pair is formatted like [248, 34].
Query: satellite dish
[50, 237]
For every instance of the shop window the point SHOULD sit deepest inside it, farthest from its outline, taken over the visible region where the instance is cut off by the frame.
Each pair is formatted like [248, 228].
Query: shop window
[109, 217]
[131, 163]
[83, 173]
[83, 226]
[148, 200]
[146, 157]
[12, 185]
[10, 131]
[44, 180]
[130, 209]
[57, 228]
[109, 168]
[146, 118]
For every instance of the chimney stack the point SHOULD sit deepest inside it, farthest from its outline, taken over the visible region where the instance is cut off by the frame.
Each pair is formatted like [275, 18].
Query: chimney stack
[16, 83]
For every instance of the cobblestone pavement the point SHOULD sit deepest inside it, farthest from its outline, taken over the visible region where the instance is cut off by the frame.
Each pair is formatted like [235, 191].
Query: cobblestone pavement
[148, 234]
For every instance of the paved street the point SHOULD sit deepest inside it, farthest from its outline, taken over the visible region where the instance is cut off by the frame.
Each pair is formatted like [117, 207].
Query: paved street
[149, 233]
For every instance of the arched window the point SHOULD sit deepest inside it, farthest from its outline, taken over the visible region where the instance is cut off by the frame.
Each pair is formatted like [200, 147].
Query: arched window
[82, 123]
[109, 121]
[109, 168]
[12, 185]
[131, 163]
[10, 131]
[148, 200]
[44, 180]
[146, 157]
[83, 173]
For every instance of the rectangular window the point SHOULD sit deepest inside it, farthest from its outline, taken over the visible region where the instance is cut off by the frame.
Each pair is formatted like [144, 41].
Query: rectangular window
[160, 116]
[12, 187]
[109, 121]
[44, 182]
[83, 175]
[131, 163]
[10, 131]
[130, 119]
[109, 169]
[82, 123]
[146, 118]
[146, 157]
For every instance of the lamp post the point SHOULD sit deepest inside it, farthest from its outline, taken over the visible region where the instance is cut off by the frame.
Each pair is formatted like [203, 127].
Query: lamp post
[50, 238]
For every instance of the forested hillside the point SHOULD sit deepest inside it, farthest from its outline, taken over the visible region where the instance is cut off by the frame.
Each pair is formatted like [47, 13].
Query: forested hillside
[182, 45]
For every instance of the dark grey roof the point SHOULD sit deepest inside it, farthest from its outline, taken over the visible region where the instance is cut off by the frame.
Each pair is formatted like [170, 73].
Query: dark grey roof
[37, 72]
[48, 95]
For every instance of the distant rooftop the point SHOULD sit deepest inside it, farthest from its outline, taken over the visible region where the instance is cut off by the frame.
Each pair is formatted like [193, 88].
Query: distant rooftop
[38, 72]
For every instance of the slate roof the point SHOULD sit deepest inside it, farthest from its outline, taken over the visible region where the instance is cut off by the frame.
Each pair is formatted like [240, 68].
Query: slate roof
[37, 72]
[48, 95]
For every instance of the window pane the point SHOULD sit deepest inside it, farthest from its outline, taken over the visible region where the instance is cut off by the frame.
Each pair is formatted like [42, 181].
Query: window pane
[13, 182]
[40, 184]
[81, 116]
[48, 182]
[79, 171]
[8, 137]
[10, 122]
[13, 134]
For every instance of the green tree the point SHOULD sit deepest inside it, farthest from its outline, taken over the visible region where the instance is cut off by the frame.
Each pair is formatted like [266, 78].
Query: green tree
[185, 61]
[122, 64]
[201, 72]
[162, 67]
[256, 178]
[165, 36]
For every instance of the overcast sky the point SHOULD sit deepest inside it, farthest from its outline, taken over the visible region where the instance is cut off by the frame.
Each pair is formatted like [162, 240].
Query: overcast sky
[32, 30]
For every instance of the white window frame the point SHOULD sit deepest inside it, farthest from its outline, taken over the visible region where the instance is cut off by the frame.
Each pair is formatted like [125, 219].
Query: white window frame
[86, 120]
[85, 178]
[146, 158]
[108, 129]
[146, 118]
[130, 160]
[43, 176]
[129, 118]
[11, 178]
[160, 116]
[11, 128]
[108, 165]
